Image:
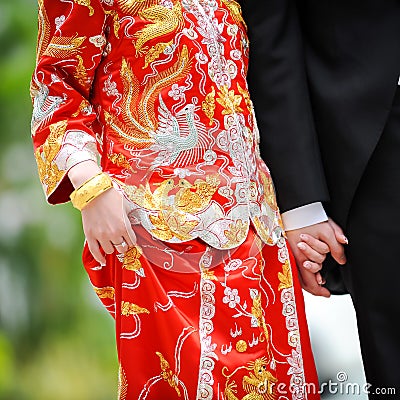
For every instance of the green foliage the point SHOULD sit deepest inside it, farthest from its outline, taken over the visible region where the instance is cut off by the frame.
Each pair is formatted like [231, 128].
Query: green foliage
[56, 340]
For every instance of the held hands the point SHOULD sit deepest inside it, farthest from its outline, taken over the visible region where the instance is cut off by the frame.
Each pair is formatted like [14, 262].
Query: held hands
[104, 219]
[310, 245]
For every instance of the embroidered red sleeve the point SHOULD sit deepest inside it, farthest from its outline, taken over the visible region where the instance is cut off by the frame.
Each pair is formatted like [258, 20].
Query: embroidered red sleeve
[70, 44]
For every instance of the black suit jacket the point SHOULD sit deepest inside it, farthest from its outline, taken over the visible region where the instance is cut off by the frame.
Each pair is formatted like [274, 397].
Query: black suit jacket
[322, 77]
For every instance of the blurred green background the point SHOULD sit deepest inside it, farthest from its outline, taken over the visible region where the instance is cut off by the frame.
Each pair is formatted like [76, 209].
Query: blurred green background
[56, 340]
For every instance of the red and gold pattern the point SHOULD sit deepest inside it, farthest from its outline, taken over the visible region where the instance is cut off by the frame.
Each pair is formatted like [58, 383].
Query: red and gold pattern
[160, 87]
[206, 305]
[230, 325]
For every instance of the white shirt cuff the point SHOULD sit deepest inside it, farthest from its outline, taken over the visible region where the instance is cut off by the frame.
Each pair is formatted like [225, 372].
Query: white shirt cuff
[303, 216]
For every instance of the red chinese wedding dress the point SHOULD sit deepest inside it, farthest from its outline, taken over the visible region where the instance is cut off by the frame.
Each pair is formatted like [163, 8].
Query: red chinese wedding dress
[207, 304]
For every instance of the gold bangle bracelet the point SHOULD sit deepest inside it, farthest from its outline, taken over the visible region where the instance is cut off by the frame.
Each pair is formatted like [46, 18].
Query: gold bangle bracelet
[90, 189]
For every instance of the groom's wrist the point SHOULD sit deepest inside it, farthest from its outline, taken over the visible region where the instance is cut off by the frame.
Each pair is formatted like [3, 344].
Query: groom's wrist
[300, 217]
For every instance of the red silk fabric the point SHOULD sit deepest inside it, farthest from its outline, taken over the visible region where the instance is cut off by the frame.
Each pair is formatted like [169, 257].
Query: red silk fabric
[207, 305]
[223, 329]
[159, 87]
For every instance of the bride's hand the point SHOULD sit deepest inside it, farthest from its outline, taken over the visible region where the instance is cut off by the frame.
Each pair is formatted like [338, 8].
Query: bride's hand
[106, 225]
[104, 219]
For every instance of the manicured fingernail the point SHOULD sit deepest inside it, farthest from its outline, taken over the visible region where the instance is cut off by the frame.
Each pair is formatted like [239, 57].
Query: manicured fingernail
[303, 236]
[301, 246]
[320, 281]
[345, 239]
[307, 265]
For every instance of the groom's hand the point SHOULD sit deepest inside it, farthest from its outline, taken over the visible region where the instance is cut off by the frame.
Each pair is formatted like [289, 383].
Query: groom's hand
[309, 246]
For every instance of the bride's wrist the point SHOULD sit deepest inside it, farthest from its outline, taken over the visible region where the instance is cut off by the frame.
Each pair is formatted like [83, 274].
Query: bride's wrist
[82, 172]
[90, 190]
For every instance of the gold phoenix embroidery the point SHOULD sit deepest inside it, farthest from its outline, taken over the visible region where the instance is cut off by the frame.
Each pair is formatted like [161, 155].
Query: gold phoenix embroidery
[64, 46]
[107, 292]
[167, 374]
[132, 7]
[208, 274]
[246, 97]
[43, 30]
[49, 173]
[119, 159]
[116, 22]
[265, 231]
[269, 191]
[83, 106]
[259, 384]
[132, 309]
[235, 10]
[170, 225]
[131, 259]
[139, 116]
[236, 232]
[285, 277]
[171, 219]
[257, 312]
[163, 20]
[208, 105]
[143, 196]
[155, 52]
[194, 198]
[229, 100]
[170, 222]
[80, 73]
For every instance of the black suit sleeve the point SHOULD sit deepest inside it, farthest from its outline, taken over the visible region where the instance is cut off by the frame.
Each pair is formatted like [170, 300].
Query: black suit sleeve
[278, 88]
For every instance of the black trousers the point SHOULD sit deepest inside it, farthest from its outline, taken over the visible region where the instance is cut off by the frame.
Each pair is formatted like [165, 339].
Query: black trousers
[372, 274]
